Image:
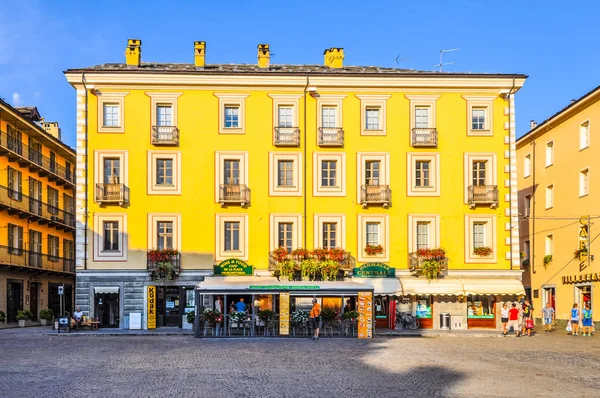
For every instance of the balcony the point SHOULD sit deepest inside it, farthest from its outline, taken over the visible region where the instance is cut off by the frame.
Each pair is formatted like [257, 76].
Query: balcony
[163, 264]
[27, 207]
[112, 194]
[232, 193]
[165, 135]
[483, 195]
[286, 136]
[375, 194]
[419, 261]
[26, 259]
[25, 156]
[331, 136]
[424, 138]
[278, 261]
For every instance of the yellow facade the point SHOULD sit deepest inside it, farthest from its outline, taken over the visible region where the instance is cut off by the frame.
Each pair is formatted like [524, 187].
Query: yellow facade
[558, 157]
[199, 95]
[37, 248]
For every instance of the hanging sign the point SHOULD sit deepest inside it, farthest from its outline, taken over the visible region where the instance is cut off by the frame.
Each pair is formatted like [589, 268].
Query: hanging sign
[374, 270]
[284, 313]
[365, 315]
[151, 307]
[233, 267]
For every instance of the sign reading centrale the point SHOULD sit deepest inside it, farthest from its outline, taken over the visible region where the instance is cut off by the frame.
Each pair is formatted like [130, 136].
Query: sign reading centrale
[233, 267]
[374, 270]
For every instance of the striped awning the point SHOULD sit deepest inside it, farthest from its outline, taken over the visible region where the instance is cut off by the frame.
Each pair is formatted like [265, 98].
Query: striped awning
[385, 286]
[106, 290]
[496, 286]
[444, 286]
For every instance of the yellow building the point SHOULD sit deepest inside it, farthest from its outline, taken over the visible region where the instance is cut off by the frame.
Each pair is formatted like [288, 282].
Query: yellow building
[557, 207]
[222, 161]
[37, 221]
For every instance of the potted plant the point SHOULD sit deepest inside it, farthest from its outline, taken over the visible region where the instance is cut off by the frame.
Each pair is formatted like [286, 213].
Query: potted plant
[286, 269]
[482, 251]
[329, 269]
[309, 269]
[432, 254]
[328, 314]
[526, 262]
[336, 254]
[280, 254]
[431, 269]
[300, 316]
[264, 316]
[300, 253]
[190, 316]
[352, 315]
[46, 316]
[23, 316]
[165, 271]
[373, 250]
[547, 259]
[2, 316]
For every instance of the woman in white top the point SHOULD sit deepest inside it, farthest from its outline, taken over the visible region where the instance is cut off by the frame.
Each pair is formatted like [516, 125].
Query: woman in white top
[219, 305]
[504, 317]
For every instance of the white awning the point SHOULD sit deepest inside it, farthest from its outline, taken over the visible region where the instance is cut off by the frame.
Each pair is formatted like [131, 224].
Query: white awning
[106, 290]
[490, 286]
[417, 286]
[258, 284]
[388, 286]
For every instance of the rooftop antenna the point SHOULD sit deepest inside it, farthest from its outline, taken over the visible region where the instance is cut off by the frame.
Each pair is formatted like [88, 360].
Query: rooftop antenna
[442, 64]
[398, 59]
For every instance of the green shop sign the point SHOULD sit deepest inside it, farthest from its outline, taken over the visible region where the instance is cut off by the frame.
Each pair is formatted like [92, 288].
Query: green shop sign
[374, 270]
[233, 267]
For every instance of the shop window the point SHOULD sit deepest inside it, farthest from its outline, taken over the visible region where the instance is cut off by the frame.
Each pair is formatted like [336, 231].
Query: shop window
[480, 307]
[424, 307]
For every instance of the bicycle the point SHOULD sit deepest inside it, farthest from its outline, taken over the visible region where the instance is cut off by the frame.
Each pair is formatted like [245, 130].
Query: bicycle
[407, 320]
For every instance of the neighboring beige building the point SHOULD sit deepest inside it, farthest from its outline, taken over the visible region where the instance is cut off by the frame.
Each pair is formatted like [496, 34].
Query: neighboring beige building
[559, 172]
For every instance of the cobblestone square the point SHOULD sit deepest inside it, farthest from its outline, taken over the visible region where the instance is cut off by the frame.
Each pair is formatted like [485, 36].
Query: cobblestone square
[34, 364]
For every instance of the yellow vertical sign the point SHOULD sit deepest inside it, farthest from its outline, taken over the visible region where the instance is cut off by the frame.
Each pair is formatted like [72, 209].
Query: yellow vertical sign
[365, 315]
[151, 307]
[284, 314]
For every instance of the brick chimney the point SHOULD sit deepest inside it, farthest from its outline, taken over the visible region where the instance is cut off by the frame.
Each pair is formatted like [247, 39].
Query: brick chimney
[133, 53]
[264, 56]
[199, 53]
[333, 57]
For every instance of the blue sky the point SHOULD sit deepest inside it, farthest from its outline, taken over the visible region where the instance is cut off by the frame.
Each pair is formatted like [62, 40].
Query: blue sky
[555, 42]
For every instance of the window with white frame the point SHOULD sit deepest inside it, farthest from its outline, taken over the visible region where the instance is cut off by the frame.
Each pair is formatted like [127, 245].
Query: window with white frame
[481, 176]
[111, 170]
[422, 117]
[527, 166]
[285, 116]
[111, 115]
[285, 173]
[329, 235]
[231, 174]
[164, 235]
[372, 117]
[422, 235]
[372, 231]
[422, 173]
[164, 171]
[479, 110]
[285, 235]
[164, 231]
[329, 230]
[231, 242]
[549, 245]
[231, 168]
[164, 115]
[549, 196]
[329, 173]
[584, 135]
[583, 183]
[111, 167]
[372, 168]
[480, 231]
[423, 231]
[479, 172]
[110, 237]
[232, 236]
[478, 118]
[527, 205]
[329, 116]
[478, 234]
[232, 113]
[373, 113]
[285, 231]
[527, 249]
[232, 117]
[549, 153]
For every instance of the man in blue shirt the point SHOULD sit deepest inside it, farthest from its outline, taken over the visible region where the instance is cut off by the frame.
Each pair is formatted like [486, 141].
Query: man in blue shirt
[241, 306]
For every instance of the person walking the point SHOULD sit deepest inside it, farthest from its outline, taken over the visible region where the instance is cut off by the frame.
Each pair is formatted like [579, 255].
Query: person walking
[527, 318]
[548, 316]
[575, 316]
[513, 319]
[504, 317]
[586, 319]
[315, 317]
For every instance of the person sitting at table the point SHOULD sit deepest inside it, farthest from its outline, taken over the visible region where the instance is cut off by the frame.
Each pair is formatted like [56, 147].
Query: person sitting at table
[241, 306]
[78, 317]
[232, 307]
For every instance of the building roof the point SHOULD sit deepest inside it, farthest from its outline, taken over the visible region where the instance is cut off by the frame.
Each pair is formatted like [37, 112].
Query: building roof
[30, 112]
[177, 68]
[561, 114]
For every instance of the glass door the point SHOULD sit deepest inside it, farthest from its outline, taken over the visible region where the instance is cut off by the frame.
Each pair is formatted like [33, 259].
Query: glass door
[172, 316]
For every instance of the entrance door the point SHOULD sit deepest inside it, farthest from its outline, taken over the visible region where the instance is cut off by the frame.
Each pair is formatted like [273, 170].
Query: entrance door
[33, 300]
[106, 302]
[14, 299]
[172, 304]
[549, 297]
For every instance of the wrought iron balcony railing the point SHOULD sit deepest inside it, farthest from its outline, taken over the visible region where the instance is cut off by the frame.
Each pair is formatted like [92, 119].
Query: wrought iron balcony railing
[286, 136]
[347, 264]
[234, 193]
[375, 194]
[165, 135]
[483, 194]
[33, 159]
[331, 136]
[155, 258]
[112, 193]
[424, 137]
[415, 261]
[14, 256]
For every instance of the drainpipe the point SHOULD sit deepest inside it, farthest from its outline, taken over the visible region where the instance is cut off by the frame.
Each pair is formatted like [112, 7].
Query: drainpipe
[85, 201]
[304, 226]
[533, 194]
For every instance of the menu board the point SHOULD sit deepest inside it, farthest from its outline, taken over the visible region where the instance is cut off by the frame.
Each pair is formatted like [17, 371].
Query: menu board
[365, 315]
[284, 313]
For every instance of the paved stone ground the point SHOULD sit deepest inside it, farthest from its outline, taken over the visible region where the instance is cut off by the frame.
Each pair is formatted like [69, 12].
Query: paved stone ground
[34, 364]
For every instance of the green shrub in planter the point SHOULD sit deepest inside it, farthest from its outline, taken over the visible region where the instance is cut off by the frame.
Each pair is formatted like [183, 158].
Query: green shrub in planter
[328, 314]
[2, 316]
[24, 315]
[47, 314]
[350, 315]
[191, 316]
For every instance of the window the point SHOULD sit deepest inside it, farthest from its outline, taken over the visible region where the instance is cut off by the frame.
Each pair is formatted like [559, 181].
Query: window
[527, 166]
[549, 196]
[422, 173]
[164, 171]
[478, 234]
[232, 236]
[285, 235]
[52, 200]
[231, 169]
[422, 117]
[164, 115]
[550, 153]
[53, 247]
[15, 239]
[373, 229]
[14, 140]
[111, 236]
[232, 172]
[480, 231]
[35, 248]
[285, 115]
[329, 174]
[68, 250]
[329, 235]
[527, 249]
[584, 135]
[372, 119]
[164, 235]
[422, 235]
[480, 177]
[232, 233]
[527, 206]
[329, 116]
[478, 119]
[232, 116]
[479, 174]
[373, 233]
[549, 245]
[52, 162]
[285, 173]
[583, 183]
[14, 184]
[112, 170]
[372, 172]
[111, 116]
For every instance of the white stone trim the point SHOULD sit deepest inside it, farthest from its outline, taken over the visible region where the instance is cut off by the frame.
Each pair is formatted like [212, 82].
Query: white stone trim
[220, 253]
[422, 100]
[434, 230]
[153, 188]
[434, 174]
[293, 218]
[384, 237]
[98, 233]
[232, 99]
[340, 189]
[160, 98]
[384, 168]
[112, 98]
[487, 103]
[296, 188]
[220, 157]
[320, 218]
[373, 101]
[491, 176]
[154, 218]
[490, 238]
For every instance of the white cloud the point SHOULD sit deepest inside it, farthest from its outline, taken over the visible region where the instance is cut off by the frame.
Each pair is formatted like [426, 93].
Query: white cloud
[16, 99]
